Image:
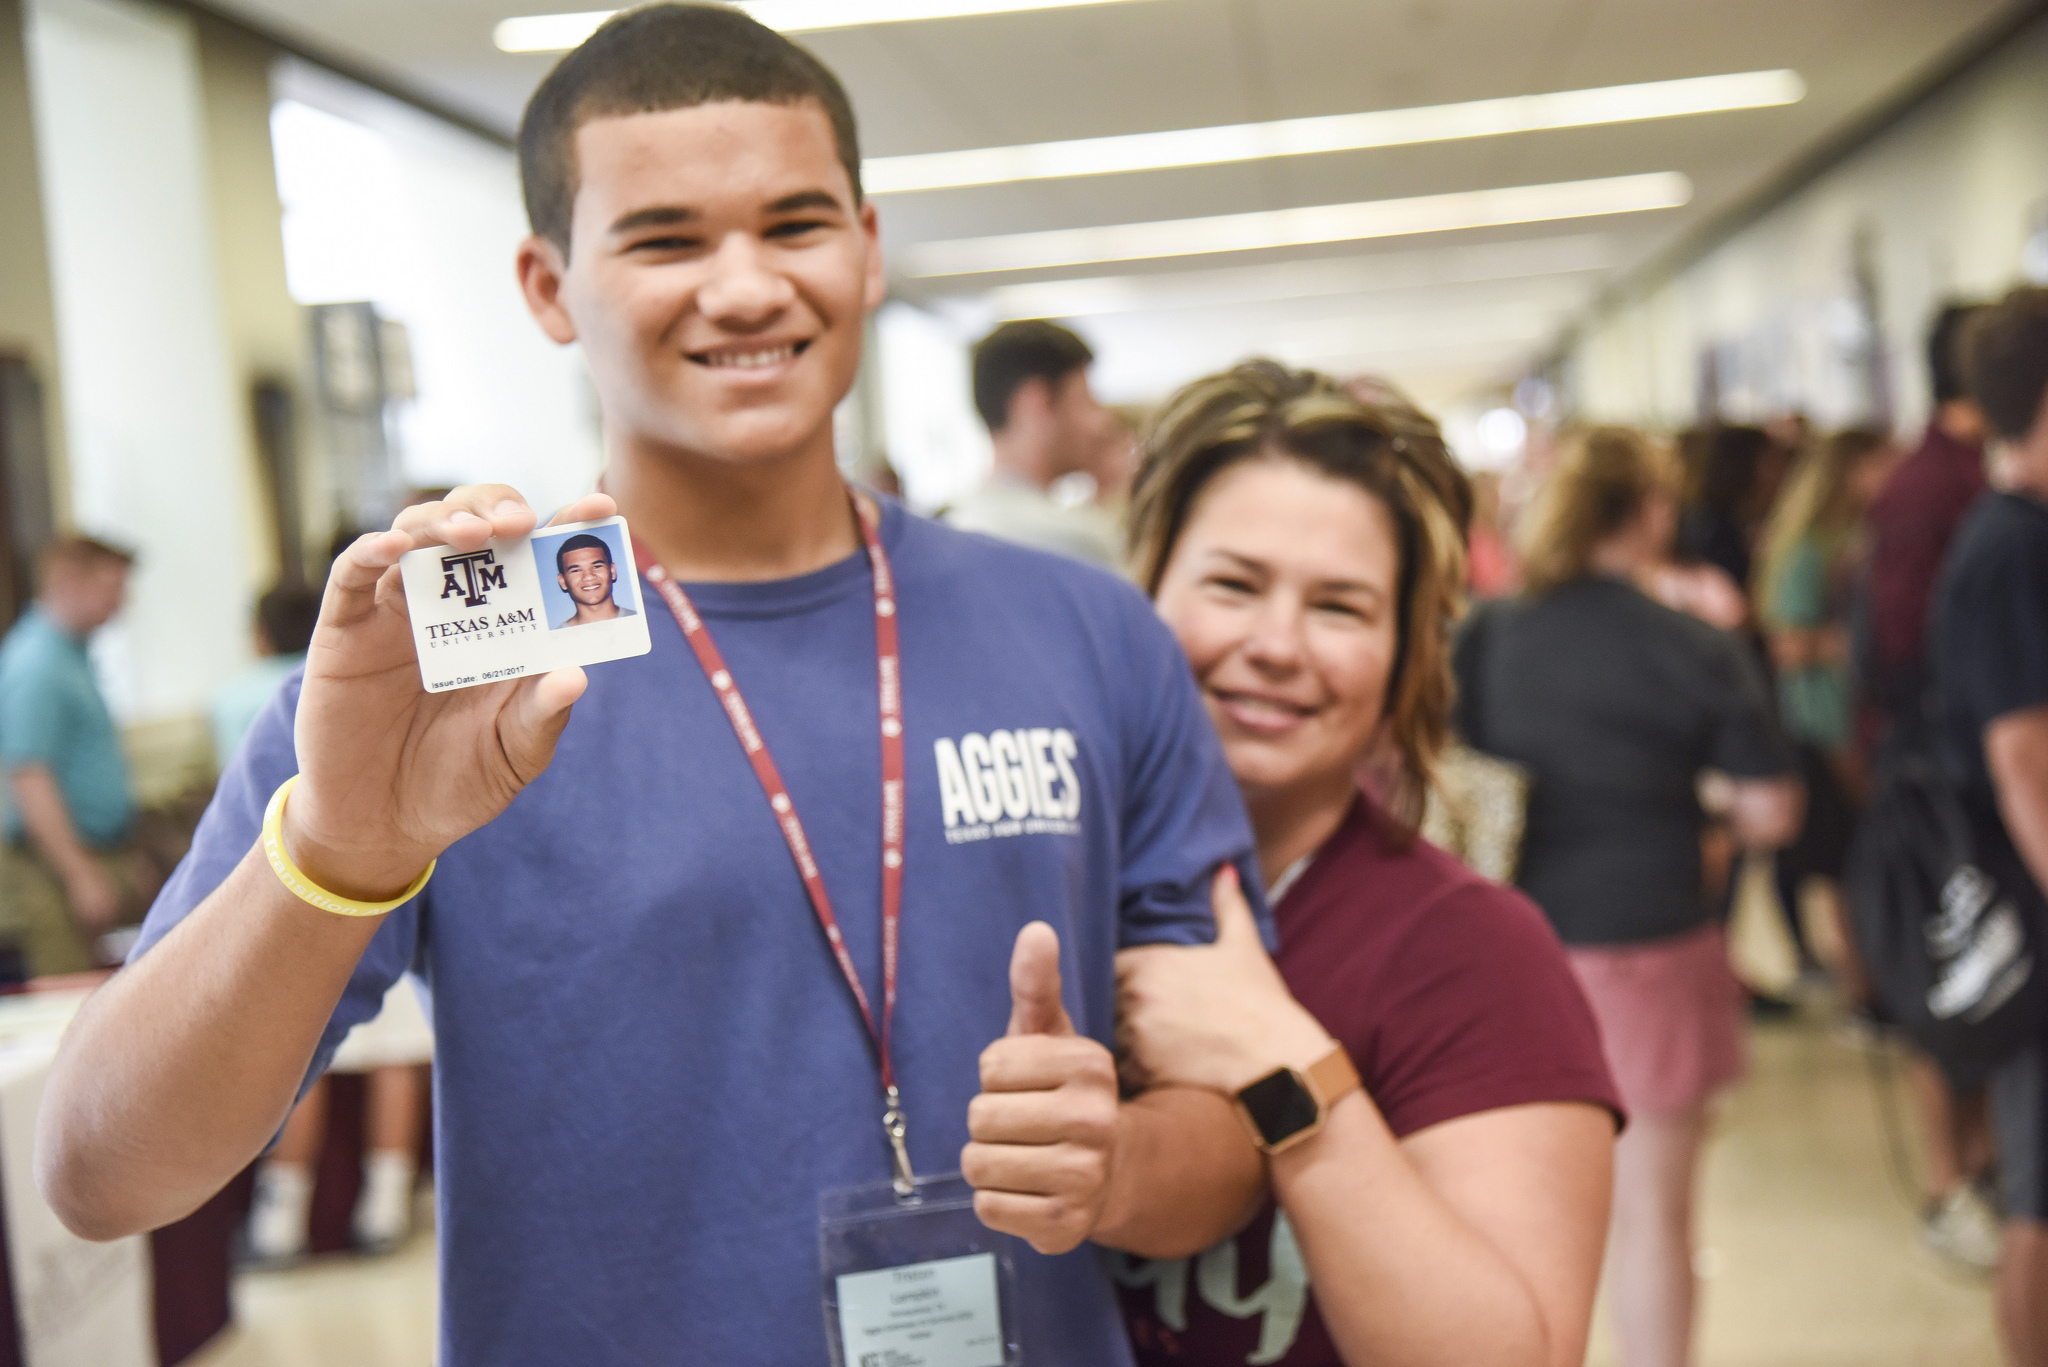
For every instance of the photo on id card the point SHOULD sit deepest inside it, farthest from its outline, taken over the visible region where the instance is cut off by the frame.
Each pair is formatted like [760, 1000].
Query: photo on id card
[564, 596]
[916, 1282]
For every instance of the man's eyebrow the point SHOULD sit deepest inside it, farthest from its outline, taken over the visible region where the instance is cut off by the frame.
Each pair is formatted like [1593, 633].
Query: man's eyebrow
[655, 216]
[806, 199]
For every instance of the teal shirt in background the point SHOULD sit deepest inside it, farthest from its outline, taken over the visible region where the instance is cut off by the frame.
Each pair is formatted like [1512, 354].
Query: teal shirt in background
[237, 703]
[51, 713]
[1813, 700]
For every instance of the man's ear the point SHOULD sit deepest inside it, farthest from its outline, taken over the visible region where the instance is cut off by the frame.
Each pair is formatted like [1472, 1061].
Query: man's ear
[541, 268]
[876, 287]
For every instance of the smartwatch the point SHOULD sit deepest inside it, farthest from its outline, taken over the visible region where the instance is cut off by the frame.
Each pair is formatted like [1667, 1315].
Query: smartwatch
[1285, 1107]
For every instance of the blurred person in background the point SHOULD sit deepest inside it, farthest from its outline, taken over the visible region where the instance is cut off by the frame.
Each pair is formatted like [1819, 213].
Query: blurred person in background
[1989, 652]
[1729, 494]
[1912, 522]
[71, 870]
[392, 1050]
[1616, 705]
[1807, 567]
[1452, 1207]
[1494, 570]
[1031, 388]
[1910, 526]
[285, 618]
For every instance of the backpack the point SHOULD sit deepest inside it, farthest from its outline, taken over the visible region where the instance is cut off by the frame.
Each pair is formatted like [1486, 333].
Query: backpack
[1949, 931]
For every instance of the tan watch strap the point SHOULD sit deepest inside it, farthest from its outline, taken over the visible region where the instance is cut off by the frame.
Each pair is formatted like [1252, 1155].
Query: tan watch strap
[1332, 1078]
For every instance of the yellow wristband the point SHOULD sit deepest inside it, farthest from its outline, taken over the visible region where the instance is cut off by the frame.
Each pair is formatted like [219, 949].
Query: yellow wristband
[304, 888]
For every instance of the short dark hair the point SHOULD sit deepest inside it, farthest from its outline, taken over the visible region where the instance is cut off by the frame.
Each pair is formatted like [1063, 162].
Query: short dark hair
[288, 614]
[1945, 352]
[1017, 352]
[2005, 360]
[660, 57]
[582, 541]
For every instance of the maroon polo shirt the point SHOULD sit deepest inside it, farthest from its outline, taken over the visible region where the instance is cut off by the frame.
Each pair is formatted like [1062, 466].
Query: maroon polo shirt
[1911, 524]
[1452, 995]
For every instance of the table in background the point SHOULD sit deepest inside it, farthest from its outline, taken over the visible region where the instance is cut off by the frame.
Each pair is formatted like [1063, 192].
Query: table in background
[64, 1302]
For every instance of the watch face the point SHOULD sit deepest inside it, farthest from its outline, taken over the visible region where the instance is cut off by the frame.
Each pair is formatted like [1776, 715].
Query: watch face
[1280, 1107]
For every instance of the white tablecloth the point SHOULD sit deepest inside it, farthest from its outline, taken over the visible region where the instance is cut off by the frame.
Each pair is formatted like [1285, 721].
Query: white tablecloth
[79, 1304]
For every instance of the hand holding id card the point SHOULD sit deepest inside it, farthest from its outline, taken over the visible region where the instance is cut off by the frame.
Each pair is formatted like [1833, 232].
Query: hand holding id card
[564, 596]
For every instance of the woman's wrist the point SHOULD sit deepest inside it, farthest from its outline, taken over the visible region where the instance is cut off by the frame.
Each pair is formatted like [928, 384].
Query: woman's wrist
[1294, 1039]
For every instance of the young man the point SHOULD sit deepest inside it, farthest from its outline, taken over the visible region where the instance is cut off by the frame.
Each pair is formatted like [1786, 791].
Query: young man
[1031, 388]
[584, 569]
[1989, 646]
[1911, 525]
[650, 1068]
[66, 873]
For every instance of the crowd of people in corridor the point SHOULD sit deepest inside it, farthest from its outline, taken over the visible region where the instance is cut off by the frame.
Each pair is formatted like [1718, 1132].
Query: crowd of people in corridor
[1469, 1100]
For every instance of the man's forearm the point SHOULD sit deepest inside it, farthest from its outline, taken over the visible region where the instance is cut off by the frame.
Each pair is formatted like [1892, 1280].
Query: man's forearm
[2023, 803]
[1184, 1175]
[177, 1072]
[47, 820]
[2016, 752]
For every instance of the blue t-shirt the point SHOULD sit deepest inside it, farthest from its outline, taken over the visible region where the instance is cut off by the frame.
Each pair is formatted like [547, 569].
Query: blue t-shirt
[647, 1063]
[52, 714]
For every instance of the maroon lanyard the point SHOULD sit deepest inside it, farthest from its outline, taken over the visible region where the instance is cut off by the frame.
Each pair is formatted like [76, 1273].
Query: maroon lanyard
[889, 677]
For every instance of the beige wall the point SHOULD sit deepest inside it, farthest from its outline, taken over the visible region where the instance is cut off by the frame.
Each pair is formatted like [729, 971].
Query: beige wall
[1944, 201]
[211, 315]
[28, 319]
[266, 331]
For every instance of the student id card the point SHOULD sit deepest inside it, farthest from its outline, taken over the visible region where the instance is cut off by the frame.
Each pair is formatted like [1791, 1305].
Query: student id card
[566, 595]
[915, 1281]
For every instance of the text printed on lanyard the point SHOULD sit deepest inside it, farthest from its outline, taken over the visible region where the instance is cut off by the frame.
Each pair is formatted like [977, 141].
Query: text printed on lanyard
[890, 686]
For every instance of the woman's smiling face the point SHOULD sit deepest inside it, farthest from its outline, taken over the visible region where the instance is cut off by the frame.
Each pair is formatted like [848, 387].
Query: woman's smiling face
[1283, 589]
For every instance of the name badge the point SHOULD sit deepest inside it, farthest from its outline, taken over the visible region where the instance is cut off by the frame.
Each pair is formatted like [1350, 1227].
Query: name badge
[915, 1281]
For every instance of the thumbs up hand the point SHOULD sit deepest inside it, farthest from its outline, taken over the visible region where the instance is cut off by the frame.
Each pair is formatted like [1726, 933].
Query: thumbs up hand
[1043, 1128]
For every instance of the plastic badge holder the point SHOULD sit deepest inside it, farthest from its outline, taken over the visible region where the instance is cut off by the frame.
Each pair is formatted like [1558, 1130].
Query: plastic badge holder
[916, 1281]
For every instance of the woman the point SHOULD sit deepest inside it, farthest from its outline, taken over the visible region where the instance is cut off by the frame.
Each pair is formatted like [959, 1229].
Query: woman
[1450, 1210]
[1736, 472]
[1806, 564]
[1616, 705]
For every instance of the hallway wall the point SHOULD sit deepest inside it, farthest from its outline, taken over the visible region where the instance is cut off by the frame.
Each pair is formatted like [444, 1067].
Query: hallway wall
[1943, 204]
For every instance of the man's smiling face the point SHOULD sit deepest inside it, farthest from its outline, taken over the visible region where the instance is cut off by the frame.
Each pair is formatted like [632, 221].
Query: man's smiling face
[587, 576]
[718, 278]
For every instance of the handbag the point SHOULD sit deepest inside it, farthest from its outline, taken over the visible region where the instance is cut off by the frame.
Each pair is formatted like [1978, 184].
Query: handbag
[1478, 803]
[1948, 926]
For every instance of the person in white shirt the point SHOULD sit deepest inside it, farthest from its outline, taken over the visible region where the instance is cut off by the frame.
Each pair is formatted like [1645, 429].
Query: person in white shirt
[1031, 388]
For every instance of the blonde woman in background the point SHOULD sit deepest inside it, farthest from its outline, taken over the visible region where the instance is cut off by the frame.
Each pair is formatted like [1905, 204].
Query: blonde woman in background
[1810, 554]
[1615, 704]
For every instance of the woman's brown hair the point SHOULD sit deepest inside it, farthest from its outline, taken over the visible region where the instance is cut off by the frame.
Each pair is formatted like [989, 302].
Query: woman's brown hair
[1393, 452]
[1603, 477]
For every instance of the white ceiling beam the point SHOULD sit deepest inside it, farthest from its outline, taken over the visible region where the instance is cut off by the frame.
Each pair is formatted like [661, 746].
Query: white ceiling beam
[1127, 152]
[1299, 227]
[558, 32]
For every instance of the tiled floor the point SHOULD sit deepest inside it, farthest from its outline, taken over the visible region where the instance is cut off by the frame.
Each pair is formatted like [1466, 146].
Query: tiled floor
[1809, 1247]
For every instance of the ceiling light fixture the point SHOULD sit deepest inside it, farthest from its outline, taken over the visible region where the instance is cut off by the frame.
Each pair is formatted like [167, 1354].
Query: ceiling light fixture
[1330, 133]
[556, 32]
[1238, 285]
[1300, 227]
